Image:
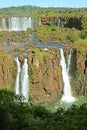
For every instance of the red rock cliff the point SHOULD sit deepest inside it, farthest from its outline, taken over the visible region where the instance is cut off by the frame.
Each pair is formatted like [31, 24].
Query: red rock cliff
[7, 70]
[45, 76]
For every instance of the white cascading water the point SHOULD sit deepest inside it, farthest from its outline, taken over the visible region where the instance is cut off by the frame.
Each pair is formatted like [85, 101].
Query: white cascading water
[25, 81]
[67, 96]
[59, 22]
[17, 85]
[19, 23]
[69, 60]
[22, 80]
[16, 23]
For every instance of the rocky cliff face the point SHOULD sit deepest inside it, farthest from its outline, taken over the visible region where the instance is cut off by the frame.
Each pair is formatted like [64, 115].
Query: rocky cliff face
[80, 78]
[45, 76]
[78, 71]
[7, 70]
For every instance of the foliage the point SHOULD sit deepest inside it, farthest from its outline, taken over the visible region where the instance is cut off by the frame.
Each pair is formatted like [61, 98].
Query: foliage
[73, 24]
[84, 34]
[15, 115]
[33, 10]
[84, 22]
[3, 52]
[69, 17]
[11, 65]
[20, 36]
[82, 44]
[54, 34]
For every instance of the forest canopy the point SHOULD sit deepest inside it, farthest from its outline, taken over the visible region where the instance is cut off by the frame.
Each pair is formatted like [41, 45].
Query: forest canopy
[39, 11]
[21, 116]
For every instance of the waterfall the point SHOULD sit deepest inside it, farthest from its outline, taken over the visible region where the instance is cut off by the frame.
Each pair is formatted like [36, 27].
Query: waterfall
[59, 22]
[26, 23]
[16, 23]
[69, 60]
[19, 23]
[67, 96]
[25, 82]
[18, 76]
[23, 79]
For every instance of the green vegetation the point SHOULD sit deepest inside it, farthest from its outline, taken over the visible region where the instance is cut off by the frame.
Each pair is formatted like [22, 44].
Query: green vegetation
[20, 36]
[19, 11]
[38, 54]
[38, 11]
[73, 24]
[11, 65]
[2, 53]
[64, 35]
[37, 59]
[7, 87]
[70, 17]
[17, 115]
[14, 113]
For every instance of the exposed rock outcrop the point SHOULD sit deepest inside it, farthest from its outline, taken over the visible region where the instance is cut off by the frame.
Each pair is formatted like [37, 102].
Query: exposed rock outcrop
[80, 79]
[45, 76]
[7, 70]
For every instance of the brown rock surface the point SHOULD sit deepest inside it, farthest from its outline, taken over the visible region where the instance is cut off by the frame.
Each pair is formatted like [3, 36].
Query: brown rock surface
[45, 76]
[7, 70]
[45, 73]
[80, 79]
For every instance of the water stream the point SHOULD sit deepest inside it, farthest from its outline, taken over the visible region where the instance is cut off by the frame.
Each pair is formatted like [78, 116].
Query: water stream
[15, 23]
[22, 80]
[67, 96]
[17, 85]
[25, 81]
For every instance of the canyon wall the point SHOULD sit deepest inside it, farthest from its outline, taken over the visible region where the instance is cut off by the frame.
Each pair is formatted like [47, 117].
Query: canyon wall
[80, 77]
[7, 70]
[78, 71]
[45, 76]
[21, 23]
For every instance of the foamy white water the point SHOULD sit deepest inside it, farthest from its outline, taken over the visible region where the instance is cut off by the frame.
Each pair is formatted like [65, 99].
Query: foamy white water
[59, 22]
[16, 23]
[67, 96]
[25, 81]
[22, 80]
[17, 85]
[69, 60]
